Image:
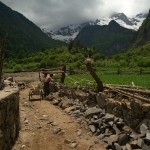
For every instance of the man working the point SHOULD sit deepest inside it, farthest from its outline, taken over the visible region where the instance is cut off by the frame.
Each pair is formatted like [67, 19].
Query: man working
[46, 81]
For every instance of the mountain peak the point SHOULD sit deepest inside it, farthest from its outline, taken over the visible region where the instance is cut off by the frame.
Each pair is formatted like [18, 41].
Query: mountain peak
[118, 15]
[22, 33]
[70, 32]
[113, 23]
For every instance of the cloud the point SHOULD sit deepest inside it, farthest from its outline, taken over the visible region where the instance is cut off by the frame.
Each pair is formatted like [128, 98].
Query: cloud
[57, 13]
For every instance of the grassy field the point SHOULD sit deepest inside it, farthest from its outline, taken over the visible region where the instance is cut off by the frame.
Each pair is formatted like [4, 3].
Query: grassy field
[86, 79]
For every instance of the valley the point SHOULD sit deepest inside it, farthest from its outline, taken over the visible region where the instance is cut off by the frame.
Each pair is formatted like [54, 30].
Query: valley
[104, 101]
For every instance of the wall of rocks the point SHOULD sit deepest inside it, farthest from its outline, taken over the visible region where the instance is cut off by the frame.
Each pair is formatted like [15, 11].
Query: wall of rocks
[108, 123]
[132, 111]
[9, 118]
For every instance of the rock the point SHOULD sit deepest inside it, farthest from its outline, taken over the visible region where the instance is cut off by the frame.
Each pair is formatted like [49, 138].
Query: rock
[66, 103]
[59, 146]
[78, 107]
[56, 101]
[66, 141]
[79, 132]
[73, 145]
[146, 107]
[108, 117]
[98, 121]
[44, 116]
[111, 104]
[95, 117]
[92, 111]
[127, 129]
[76, 113]
[148, 136]
[116, 119]
[112, 139]
[79, 120]
[78, 94]
[56, 130]
[102, 129]
[134, 144]
[136, 107]
[120, 124]
[133, 136]
[140, 142]
[92, 128]
[67, 110]
[26, 121]
[105, 139]
[111, 123]
[123, 139]
[131, 118]
[82, 109]
[128, 147]
[23, 146]
[141, 136]
[145, 147]
[116, 129]
[106, 130]
[1, 134]
[147, 115]
[101, 100]
[54, 124]
[143, 129]
[117, 146]
[101, 136]
[10, 79]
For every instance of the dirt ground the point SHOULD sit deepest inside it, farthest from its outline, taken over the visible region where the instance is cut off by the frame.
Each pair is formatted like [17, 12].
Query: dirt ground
[47, 127]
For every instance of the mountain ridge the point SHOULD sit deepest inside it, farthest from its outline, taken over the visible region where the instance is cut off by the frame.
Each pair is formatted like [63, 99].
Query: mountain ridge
[22, 33]
[69, 32]
[110, 39]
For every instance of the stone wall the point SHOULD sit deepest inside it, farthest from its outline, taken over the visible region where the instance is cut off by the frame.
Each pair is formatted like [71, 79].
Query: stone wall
[9, 118]
[133, 112]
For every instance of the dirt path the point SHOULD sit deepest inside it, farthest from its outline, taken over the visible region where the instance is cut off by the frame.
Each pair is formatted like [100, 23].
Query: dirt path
[46, 127]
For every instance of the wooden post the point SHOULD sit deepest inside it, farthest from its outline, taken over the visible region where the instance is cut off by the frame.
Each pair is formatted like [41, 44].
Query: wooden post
[63, 74]
[118, 71]
[2, 50]
[94, 75]
[141, 70]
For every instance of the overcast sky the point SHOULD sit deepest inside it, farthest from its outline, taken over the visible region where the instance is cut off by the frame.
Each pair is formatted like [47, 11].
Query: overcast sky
[58, 13]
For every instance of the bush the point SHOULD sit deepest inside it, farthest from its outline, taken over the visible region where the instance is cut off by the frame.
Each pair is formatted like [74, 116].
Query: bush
[17, 68]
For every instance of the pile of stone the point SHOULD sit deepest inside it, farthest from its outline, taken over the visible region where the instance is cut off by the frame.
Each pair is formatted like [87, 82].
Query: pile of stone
[107, 127]
[113, 131]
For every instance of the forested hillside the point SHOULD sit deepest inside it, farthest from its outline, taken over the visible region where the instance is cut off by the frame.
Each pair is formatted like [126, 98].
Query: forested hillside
[143, 35]
[23, 35]
[110, 39]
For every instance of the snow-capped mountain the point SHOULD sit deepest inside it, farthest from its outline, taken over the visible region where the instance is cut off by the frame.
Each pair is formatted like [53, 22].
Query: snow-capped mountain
[70, 32]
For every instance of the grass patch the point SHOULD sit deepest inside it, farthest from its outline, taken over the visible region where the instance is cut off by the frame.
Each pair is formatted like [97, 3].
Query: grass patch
[86, 80]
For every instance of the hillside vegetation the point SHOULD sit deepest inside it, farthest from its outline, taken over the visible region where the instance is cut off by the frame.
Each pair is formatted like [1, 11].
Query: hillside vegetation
[22, 33]
[110, 39]
[75, 57]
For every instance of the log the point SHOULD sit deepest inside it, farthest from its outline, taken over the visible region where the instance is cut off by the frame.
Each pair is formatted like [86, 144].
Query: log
[146, 92]
[125, 86]
[94, 75]
[130, 95]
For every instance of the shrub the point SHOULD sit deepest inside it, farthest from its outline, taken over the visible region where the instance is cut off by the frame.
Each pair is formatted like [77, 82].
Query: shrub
[17, 68]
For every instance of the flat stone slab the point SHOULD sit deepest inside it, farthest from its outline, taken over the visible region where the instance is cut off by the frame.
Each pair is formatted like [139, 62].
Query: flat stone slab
[7, 92]
[92, 111]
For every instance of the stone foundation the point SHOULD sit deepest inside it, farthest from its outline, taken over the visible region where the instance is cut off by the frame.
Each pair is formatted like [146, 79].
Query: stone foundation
[133, 112]
[9, 118]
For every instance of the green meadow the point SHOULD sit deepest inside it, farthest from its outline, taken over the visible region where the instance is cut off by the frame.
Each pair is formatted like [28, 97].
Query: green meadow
[87, 80]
